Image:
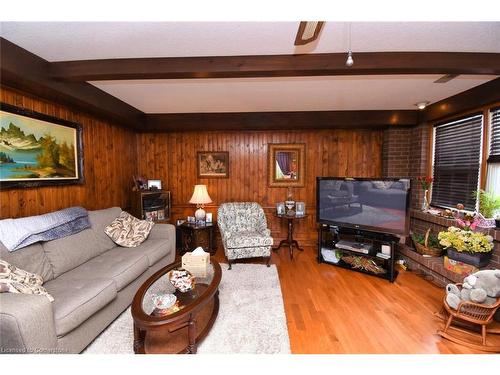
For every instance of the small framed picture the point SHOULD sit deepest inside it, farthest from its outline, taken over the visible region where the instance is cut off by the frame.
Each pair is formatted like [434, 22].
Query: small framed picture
[191, 219]
[300, 208]
[154, 184]
[280, 208]
[148, 215]
[208, 218]
[161, 214]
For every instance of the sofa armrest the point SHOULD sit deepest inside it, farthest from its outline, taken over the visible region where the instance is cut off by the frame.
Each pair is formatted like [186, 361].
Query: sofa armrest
[162, 231]
[26, 324]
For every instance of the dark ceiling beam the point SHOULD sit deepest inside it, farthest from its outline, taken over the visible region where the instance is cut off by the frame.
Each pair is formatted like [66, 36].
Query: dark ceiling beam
[22, 70]
[174, 122]
[316, 64]
[472, 99]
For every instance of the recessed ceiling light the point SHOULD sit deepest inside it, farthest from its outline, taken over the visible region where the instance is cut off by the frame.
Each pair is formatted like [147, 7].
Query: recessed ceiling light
[422, 105]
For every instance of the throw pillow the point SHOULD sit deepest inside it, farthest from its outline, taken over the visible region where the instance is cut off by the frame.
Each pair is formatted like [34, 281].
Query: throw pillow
[128, 231]
[15, 280]
[383, 184]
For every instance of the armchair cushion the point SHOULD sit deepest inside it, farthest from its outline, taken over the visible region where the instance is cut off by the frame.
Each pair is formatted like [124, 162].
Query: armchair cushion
[249, 239]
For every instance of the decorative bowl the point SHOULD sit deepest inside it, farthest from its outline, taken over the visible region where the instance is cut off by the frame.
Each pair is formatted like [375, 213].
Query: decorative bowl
[181, 279]
[164, 301]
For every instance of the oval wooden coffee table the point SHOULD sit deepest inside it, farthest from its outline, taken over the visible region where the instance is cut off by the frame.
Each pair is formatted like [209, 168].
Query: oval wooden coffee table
[179, 329]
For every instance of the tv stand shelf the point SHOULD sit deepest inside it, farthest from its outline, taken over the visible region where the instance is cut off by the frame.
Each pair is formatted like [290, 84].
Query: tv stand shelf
[330, 235]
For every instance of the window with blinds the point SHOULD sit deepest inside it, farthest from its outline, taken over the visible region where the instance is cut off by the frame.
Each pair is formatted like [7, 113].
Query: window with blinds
[457, 161]
[495, 136]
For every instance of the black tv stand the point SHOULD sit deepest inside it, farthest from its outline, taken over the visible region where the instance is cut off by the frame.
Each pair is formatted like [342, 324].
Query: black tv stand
[358, 250]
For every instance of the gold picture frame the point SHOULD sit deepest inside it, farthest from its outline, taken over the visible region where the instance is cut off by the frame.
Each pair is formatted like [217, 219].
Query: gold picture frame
[286, 164]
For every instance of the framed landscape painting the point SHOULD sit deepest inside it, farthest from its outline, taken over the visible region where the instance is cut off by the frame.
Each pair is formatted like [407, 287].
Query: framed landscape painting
[38, 150]
[213, 164]
[286, 164]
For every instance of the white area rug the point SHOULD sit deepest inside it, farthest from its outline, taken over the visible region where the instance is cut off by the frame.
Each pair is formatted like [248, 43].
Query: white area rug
[251, 317]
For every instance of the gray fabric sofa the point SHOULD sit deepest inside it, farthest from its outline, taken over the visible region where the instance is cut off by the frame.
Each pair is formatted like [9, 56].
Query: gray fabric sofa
[92, 282]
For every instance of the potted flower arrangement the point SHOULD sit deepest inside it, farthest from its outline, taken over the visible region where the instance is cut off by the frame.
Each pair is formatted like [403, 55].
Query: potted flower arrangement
[467, 246]
[426, 183]
[489, 204]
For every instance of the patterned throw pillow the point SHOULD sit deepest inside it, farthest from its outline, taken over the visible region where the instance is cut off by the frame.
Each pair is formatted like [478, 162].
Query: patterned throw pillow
[383, 184]
[15, 280]
[128, 231]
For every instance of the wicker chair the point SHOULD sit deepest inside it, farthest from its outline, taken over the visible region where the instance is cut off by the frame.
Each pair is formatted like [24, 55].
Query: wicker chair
[244, 231]
[462, 320]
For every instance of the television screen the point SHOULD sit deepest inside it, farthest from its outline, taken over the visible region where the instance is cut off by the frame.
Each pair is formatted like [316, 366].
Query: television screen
[379, 205]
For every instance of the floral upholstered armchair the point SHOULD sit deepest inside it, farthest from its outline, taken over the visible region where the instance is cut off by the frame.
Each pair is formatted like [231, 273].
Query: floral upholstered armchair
[244, 232]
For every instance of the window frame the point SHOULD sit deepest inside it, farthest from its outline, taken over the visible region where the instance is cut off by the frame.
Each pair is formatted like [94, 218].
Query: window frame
[485, 144]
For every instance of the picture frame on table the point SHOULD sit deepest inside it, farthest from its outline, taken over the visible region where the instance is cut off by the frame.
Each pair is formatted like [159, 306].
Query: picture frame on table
[300, 208]
[280, 208]
[154, 184]
[208, 218]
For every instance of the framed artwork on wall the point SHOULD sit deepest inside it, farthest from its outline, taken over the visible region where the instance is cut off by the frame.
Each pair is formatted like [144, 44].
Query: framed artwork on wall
[38, 150]
[213, 164]
[286, 164]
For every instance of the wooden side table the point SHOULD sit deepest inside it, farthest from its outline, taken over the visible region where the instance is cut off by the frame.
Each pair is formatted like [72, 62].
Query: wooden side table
[289, 241]
[194, 235]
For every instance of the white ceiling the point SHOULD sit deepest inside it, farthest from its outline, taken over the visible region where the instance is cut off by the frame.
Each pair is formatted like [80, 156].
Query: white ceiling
[60, 41]
[286, 93]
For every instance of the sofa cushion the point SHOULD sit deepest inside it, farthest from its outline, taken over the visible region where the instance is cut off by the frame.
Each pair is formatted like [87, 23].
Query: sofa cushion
[154, 249]
[75, 300]
[99, 220]
[67, 253]
[30, 258]
[128, 231]
[248, 239]
[122, 265]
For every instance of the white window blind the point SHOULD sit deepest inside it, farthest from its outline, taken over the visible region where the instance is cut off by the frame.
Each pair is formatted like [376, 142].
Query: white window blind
[457, 161]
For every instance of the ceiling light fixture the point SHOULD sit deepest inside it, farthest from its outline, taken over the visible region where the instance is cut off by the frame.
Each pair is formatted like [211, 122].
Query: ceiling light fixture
[350, 61]
[422, 105]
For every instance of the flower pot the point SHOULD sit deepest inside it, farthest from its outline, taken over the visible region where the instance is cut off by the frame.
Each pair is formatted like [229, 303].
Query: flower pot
[476, 259]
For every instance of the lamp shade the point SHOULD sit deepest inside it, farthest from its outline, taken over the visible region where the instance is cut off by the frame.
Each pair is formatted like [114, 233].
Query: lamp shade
[200, 195]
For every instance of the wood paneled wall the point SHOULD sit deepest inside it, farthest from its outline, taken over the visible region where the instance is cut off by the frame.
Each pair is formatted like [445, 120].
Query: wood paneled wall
[109, 162]
[171, 157]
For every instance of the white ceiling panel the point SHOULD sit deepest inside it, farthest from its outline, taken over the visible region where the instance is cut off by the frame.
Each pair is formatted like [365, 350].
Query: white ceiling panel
[62, 41]
[286, 93]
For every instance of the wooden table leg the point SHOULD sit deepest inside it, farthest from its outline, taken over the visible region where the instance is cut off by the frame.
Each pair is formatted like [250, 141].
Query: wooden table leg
[192, 336]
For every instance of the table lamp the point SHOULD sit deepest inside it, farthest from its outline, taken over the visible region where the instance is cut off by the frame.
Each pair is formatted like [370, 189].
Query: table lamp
[200, 198]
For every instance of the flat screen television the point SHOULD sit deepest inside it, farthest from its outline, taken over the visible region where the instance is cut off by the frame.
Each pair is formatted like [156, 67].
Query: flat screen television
[378, 205]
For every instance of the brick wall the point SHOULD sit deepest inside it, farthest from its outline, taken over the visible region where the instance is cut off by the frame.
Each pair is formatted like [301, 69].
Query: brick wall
[405, 154]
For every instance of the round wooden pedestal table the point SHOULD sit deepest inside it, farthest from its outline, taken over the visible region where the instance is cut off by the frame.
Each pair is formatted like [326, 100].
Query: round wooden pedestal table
[180, 328]
[289, 241]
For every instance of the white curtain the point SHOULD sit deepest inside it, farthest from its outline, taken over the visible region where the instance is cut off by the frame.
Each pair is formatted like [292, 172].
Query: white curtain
[493, 180]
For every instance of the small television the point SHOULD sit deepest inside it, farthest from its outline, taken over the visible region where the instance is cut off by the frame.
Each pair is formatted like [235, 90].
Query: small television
[377, 205]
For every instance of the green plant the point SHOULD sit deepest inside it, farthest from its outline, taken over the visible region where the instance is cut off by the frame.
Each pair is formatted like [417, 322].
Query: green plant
[465, 240]
[433, 240]
[489, 202]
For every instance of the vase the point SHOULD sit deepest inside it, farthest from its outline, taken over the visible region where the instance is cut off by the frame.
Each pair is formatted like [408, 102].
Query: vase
[475, 259]
[425, 203]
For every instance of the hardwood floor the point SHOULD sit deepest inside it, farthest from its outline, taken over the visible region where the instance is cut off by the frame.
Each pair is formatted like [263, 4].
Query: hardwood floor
[333, 310]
